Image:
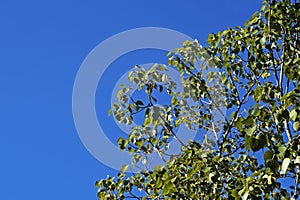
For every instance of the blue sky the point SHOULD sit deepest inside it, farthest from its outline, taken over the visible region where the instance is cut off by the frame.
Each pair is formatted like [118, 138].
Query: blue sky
[42, 46]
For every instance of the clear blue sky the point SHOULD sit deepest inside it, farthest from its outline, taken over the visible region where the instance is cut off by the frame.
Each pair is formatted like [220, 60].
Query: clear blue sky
[42, 46]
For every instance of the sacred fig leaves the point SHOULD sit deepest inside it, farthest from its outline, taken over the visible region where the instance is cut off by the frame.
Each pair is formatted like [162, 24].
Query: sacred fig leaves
[250, 103]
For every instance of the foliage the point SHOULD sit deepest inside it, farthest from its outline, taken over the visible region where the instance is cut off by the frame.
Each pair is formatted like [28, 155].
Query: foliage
[254, 151]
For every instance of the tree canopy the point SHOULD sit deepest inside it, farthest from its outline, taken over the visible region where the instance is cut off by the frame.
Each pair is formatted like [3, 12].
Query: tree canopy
[253, 150]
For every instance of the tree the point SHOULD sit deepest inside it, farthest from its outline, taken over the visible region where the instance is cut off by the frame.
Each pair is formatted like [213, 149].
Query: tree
[255, 149]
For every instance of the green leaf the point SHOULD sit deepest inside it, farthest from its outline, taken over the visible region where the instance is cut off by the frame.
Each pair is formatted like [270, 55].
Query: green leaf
[263, 139]
[206, 169]
[258, 142]
[169, 53]
[263, 40]
[168, 187]
[245, 196]
[124, 168]
[224, 79]
[252, 19]
[254, 144]
[251, 130]
[258, 93]
[210, 39]
[248, 140]
[248, 121]
[285, 114]
[139, 102]
[268, 155]
[297, 160]
[266, 74]
[285, 164]
[235, 194]
[281, 150]
[159, 182]
[109, 112]
[272, 164]
[293, 114]
[174, 101]
[120, 140]
[147, 121]
[269, 180]
[296, 126]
